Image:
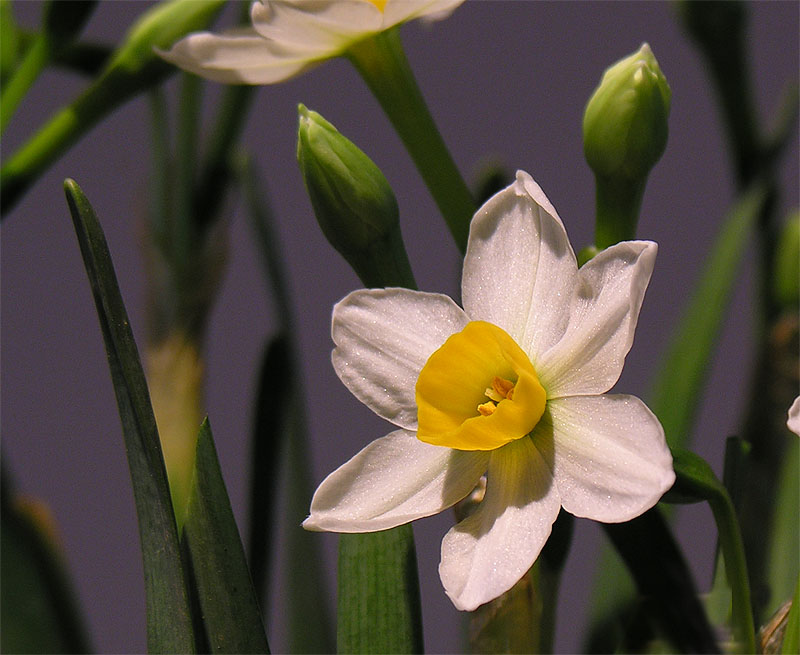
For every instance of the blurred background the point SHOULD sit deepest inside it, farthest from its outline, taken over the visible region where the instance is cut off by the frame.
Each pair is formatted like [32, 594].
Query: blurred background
[507, 82]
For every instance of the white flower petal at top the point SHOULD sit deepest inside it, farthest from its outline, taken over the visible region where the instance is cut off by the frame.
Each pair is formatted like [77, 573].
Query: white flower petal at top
[463, 386]
[290, 36]
[793, 421]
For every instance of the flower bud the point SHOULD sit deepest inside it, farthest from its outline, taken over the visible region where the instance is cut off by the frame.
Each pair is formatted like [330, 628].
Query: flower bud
[352, 200]
[625, 123]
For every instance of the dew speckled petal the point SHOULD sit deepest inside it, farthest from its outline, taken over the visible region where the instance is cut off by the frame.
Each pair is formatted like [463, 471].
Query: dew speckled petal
[520, 269]
[400, 11]
[383, 338]
[793, 421]
[394, 480]
[320, 26]
[603, 314]
[238, 57]
[484, 555]
[611, 461]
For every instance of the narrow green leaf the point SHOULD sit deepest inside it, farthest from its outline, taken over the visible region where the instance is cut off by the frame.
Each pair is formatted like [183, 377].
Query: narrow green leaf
[38, 609]
[169, 619]
[678, 384]
[379, 604]
[784, 554]
[677, 387]
[662, 576]
[310, 625]
[10, 46]
[225, 594]
[791, 639]
[694, 478]
[270, 430]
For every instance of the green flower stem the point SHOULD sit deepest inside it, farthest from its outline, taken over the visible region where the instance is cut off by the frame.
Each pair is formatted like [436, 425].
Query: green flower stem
[618, 202]
[382, 63]
[134, 67]
[732, 546]
[66, 127]
[696, 481]
[36, 58]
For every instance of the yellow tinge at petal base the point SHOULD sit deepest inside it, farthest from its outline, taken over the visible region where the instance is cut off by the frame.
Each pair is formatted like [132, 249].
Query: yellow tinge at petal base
[472, 369]
[380, 4]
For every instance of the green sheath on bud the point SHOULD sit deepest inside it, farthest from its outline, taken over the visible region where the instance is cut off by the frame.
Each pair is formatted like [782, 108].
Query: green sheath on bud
[352, 200]
[624, 135]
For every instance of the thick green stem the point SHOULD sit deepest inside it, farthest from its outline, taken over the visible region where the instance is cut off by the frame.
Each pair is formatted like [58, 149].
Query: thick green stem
[618, 203]
[382, 63]
[66, 127]
[36, 58]
[730, 541]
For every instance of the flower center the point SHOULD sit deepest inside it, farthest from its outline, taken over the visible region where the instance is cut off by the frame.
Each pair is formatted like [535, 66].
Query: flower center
[479, 391]
[380, 4]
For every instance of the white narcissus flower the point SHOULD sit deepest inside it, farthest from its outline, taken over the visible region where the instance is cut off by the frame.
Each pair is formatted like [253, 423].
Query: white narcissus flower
[288, 37]
[793, 421]
[512, 386]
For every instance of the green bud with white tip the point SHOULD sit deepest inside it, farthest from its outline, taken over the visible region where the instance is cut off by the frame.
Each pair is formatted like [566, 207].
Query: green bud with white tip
[353, 202]
[624, 135]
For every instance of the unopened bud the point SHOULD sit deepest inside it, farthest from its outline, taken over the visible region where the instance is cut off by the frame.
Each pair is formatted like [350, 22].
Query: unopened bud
[353, 202]
[625, 124]
[624, 135]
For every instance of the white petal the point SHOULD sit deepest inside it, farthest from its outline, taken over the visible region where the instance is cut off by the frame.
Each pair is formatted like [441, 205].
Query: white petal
[611, 462]
[488, 552]
[392, 481]
[793, 422]
[383, 338]
[400, 11]
[520, 270]
[324, 26]
[238, 57]
[602, 319]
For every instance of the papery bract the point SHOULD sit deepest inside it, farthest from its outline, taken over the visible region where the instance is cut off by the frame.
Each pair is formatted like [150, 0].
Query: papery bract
[531, 320]
[288, 37]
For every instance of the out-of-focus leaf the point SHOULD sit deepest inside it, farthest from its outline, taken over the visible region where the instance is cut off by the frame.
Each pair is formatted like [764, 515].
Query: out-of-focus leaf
[310, 625]
[677, 387]
[270, 430]
[9, 40]
[791, 639]
[662, 577]
[38, 611]
[694, 478]
[227, 601]
[783, 565]
[379, 606]
[169, 618]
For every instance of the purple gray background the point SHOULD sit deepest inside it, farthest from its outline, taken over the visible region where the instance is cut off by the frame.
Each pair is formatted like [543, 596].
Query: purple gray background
[505, 81]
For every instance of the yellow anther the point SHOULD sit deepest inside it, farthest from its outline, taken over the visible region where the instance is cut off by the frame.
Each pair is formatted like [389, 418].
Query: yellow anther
[487, 409]
[503, 387]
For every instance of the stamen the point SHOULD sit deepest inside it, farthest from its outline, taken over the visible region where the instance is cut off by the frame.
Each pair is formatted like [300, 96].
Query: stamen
[502, 386]
[487, 409]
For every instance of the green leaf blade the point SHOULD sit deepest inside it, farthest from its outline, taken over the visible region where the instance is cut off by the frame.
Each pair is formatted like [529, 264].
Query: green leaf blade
[169, 617]
[676, 391]
[379, 604]
[227, 600]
